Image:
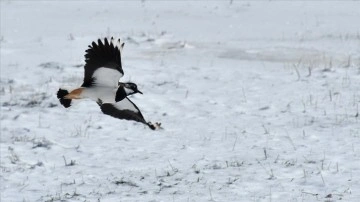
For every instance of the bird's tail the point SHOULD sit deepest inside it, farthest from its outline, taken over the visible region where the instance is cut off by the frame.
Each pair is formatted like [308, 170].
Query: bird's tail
[61, 94]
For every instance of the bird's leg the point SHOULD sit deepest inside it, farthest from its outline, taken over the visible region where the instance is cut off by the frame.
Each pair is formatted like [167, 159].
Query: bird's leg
[155, 126]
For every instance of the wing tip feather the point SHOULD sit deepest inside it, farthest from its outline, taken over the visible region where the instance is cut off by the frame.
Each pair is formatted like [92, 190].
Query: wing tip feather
[117, 43]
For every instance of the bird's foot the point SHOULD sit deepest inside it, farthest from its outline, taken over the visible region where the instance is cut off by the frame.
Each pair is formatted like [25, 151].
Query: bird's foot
[155, 126]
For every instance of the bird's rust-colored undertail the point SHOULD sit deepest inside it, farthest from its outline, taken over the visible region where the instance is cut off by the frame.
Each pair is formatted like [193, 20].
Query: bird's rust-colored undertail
[75, 94]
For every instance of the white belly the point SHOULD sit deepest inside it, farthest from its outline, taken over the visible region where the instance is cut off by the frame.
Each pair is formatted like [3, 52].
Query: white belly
[105, 94]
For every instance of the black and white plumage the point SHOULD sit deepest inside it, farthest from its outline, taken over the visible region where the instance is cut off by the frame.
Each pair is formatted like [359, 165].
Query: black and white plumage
[103, 69]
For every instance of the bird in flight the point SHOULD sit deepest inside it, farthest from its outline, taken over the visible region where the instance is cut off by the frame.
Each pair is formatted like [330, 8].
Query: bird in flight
[103, 70]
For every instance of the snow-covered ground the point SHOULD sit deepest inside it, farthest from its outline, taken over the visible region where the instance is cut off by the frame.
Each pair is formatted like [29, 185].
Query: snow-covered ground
[259, 102]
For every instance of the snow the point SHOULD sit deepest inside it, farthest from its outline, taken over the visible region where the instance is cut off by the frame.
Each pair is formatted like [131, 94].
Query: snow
[259, 102]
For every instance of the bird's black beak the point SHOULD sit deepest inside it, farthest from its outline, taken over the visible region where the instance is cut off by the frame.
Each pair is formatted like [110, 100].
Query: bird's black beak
[139, 92]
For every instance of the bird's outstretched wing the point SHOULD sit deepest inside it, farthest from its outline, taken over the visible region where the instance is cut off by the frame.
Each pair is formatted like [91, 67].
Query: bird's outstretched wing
[103, 63]
[125, 109]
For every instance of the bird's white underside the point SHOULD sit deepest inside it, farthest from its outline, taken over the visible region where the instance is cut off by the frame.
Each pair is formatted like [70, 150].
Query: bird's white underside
[107, 77]
[107, 95]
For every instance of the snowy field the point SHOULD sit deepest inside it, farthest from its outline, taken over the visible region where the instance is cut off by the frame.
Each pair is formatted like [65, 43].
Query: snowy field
[259, 102]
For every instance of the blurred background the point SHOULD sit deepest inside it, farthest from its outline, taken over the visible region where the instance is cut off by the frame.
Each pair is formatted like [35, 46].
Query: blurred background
[259, 101]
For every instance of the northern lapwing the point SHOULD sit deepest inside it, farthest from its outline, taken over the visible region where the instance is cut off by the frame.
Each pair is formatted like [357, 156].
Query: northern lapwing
[103, 70]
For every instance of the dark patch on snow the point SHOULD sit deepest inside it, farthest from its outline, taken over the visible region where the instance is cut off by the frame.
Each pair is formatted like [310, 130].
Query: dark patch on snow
[50, 65]
[264, 108]
[123, 182]
[52, 105]
[33, 103]
[38, 164]
[78, 65]
[44, 143]
[7, 81]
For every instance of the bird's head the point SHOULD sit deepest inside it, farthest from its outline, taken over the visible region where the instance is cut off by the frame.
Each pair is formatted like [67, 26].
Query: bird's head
[131, 88]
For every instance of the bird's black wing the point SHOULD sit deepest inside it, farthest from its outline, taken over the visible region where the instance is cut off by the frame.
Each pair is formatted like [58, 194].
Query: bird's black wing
[124, 109]
[103, 63]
